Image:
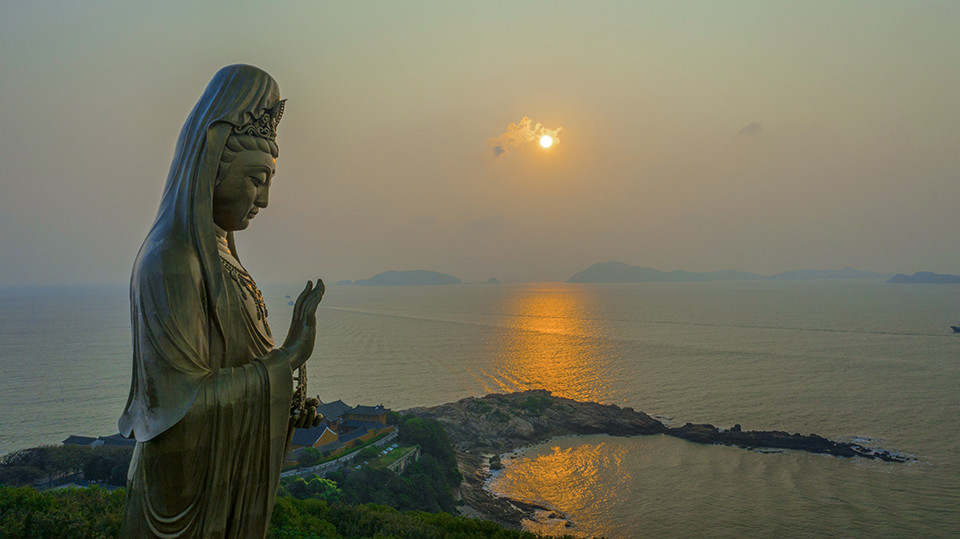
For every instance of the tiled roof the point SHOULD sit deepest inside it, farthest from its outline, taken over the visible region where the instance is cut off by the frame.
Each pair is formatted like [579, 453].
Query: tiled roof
[116, 439]
[357, 424]
[368, 410]
[79, 440]
[308, 436]
[333, 410]
[352, 435]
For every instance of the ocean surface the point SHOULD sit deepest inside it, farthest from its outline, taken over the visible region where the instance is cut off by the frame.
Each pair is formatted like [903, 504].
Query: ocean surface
[849, 360]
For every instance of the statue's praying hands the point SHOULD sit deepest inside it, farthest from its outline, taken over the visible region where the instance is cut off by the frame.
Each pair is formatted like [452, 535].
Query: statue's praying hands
[303, 328]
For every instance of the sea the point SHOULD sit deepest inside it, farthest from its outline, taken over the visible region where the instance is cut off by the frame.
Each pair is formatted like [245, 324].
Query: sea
[852, 360]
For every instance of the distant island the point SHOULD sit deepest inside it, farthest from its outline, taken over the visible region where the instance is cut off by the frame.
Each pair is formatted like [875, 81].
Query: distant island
[407, 278]
[621, 272]
[925, 277]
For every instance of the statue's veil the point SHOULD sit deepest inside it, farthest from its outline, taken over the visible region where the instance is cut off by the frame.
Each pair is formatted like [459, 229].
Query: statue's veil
[183, 240]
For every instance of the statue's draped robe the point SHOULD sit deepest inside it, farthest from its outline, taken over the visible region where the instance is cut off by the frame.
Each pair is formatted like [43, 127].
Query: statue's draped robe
[209, 403]
[214, 473]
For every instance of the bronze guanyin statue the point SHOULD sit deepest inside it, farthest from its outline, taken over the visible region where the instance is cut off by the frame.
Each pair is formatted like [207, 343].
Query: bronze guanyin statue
[212, 403]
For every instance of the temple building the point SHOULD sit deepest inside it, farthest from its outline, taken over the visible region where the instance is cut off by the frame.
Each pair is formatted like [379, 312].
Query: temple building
[343, 427]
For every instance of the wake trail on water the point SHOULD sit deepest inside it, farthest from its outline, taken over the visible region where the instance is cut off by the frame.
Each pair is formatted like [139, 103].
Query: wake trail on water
[624, 320]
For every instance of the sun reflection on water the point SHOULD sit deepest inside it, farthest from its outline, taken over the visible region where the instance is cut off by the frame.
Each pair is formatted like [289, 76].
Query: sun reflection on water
[572, 477]
[552, 344]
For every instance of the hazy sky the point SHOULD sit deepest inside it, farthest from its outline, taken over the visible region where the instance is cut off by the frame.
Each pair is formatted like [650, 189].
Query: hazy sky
[760, 136]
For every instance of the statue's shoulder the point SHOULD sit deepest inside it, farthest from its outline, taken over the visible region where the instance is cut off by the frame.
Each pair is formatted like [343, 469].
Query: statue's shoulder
[167, 261]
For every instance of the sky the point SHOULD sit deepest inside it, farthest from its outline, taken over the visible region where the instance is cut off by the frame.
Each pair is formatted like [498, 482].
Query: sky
[760, 136]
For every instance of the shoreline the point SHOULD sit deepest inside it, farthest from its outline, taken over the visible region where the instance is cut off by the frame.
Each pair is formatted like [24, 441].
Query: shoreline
[484, 429]
[532, 511]
[479, 502]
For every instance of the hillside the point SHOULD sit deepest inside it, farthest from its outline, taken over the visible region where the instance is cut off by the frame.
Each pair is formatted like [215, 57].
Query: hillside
[409, 278]
[925, 277]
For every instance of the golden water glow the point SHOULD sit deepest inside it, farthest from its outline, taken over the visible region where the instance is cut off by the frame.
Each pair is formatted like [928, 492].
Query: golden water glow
[546, 141]
[552, 345]
[573, 477]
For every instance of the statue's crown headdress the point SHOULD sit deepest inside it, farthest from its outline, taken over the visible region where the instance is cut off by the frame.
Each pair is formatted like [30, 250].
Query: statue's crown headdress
[264, 126]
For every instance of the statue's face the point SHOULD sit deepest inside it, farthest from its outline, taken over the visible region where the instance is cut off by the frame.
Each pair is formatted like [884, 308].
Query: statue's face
[244, 189]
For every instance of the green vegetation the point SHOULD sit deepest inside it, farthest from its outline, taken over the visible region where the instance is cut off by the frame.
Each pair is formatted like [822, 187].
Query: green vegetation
[316, 487]
[432, 439]
[95, 512]
[311, 456]
[315, 518]
[426, 485]
[366, 454]
[104, 464]
[382, 461]
[364, 502]
[536, 405]
[72, 512]
[480, 407]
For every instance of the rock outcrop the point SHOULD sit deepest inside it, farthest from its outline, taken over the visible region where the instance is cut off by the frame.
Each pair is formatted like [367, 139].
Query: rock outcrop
[778, 439]
[497, 423]
[483, 427]
[502, 422]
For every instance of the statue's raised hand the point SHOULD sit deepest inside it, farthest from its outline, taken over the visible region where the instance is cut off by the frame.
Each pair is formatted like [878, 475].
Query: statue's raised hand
[303, 328]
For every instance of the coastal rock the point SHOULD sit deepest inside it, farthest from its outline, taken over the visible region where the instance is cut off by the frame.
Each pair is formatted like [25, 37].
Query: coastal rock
[480, 503]
[776, 439]
[501, 422]
[496, 423]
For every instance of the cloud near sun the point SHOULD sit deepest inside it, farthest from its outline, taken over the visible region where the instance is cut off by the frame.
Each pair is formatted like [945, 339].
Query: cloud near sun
[523, 133]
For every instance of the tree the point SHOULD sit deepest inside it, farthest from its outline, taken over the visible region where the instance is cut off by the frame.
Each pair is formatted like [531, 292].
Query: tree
[316, 487]
[367, 453]
[309, 456]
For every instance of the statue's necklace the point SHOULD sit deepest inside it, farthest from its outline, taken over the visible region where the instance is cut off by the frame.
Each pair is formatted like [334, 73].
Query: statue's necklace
[246, 285]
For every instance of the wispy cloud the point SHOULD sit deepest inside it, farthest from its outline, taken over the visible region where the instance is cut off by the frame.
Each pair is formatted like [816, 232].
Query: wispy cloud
[520, 134]
[752, 129]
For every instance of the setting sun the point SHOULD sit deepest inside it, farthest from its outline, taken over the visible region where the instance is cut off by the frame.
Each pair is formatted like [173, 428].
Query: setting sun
[546, 141]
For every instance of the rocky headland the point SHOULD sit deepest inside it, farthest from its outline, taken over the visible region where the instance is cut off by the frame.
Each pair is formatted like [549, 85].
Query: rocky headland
[481, 428]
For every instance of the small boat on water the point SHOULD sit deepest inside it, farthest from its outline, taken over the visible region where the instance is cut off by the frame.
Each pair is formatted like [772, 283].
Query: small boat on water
[956, 329]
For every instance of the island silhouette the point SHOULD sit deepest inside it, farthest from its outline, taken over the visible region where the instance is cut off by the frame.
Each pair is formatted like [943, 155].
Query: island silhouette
[925, 277]
[621, 272]
[407, 278]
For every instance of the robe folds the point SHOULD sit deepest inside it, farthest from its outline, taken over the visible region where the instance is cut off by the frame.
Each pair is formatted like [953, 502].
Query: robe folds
[214, 471]
[210, 398]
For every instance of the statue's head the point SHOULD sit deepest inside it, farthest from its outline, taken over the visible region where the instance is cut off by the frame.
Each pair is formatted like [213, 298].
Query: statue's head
[224, 161]
[248, 159]
[242, 188]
